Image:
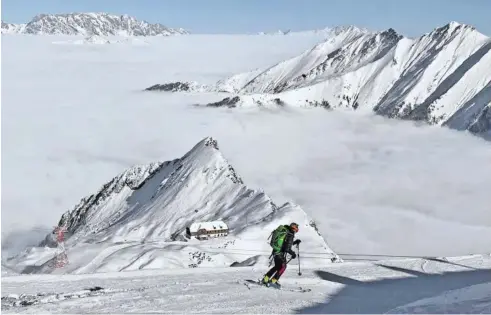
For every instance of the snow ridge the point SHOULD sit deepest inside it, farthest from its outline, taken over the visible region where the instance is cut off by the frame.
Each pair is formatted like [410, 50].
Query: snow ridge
[101, 24]
[94, 212]
[139, 218]
[440, 78]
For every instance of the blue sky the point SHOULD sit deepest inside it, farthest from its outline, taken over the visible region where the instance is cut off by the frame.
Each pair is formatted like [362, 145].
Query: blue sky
[409, 17]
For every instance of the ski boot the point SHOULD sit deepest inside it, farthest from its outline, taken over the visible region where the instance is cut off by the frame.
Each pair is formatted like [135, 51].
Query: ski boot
[265, 281]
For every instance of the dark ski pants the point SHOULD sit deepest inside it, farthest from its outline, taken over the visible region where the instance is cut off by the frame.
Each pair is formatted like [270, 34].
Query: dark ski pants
[279, 266]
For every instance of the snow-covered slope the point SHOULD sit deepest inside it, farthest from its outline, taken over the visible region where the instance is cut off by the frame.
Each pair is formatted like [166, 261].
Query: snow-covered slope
[441, 77]
[458, 285]
[133, 221]
[102, 24]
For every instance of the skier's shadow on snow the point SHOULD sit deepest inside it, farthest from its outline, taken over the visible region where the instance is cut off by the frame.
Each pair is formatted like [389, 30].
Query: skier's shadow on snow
[359, 297]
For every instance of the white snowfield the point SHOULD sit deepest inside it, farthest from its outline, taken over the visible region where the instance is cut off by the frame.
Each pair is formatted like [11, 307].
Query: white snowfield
[454, 285]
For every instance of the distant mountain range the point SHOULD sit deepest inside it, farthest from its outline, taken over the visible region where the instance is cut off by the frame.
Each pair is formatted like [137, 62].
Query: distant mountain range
[101, 24]
[442, 77]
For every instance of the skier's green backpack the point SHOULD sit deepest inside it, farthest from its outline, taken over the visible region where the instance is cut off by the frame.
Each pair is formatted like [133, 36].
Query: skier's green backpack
[278, 237]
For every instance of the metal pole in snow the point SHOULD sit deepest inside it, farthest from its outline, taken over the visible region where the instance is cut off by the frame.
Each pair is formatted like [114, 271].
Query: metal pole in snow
[298, 254]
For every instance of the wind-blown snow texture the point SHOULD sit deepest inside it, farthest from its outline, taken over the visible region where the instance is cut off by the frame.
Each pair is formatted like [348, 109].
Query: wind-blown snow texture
[101, 24]
[127, 223]
[458, 285]
[441, 77]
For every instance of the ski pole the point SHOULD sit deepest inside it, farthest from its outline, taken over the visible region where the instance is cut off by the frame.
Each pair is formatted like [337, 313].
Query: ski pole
[298, 254]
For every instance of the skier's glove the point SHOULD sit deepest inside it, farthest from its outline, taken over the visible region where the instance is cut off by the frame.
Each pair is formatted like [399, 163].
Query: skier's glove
[296, 242]
[294, 255]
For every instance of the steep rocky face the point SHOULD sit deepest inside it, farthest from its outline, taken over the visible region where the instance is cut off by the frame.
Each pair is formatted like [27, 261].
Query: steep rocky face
[101, 24]
[170, 87]
[350, 57]
[482, 122]
[229, 102]
[150, 195]
[436, 63]
[132, 179]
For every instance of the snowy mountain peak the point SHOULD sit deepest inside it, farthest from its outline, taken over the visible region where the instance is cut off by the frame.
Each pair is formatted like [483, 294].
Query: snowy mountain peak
[345, 50]
[390, 33]
[452, 29]
[336, 30]
[211, 142]
[102, 24]
[206, 142]
[204, 157]
[440, 78]
[456, 25]
[155, 204]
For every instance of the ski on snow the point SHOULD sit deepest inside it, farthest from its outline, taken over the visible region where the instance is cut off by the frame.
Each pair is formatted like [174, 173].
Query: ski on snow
[258, 283]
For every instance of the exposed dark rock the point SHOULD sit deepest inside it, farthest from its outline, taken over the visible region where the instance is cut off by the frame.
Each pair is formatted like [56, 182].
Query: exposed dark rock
[226, 102]
[279, 102]
[325, 104]
[314, 225]
[133, 178]
[482, 122]
[234, 177]
[280, 88]
[170, 87]
[423, 111]
[197, 258]
[210, 142]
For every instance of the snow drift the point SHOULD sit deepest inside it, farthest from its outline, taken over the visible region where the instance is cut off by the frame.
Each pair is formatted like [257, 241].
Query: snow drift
[440, 78]
[138, 220]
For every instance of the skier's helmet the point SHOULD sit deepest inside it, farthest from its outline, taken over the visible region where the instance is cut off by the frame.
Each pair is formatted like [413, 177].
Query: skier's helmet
[294, 227]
